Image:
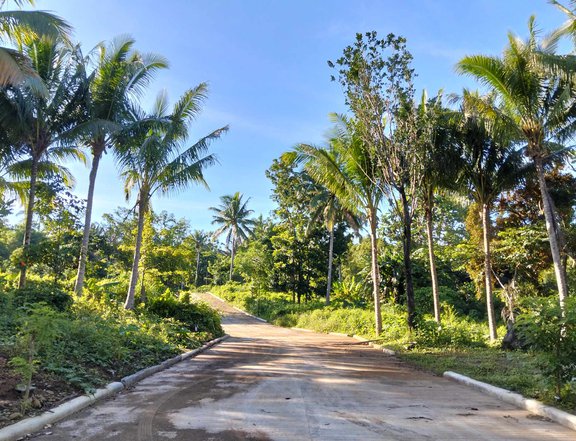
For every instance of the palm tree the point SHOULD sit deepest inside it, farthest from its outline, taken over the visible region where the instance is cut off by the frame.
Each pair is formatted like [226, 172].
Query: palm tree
[489, 166]
[326, 206]
[232, 216]
[16, 67]
[439, 157]
[200, 239]
[350, 173]
[153, 157]
[39, 122]
[539, 104]
[121, 74]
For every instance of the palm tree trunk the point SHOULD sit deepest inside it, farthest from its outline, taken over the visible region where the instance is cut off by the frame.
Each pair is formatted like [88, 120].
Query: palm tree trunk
[197, 267]
[28, 226]
[552, 228]
[87, 224]
[432, 258]
[373, 219]
[330, 261]
[142, 207]
[232, 253]
[407, 248]
[486, 228]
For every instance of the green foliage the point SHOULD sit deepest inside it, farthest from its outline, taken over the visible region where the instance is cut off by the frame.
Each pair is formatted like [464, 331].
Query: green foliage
[542, 326]
[463, 301]
[196, 316]
[39, 328]
[42, 292]
[349, 293]
[254, 262]
[94, 340]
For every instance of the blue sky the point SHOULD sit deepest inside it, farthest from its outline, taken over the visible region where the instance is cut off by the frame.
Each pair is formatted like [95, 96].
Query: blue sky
[265, 62]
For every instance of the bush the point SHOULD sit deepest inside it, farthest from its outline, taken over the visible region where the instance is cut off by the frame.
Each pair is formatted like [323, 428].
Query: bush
[198, 317]
[543, 327]
[42, 292]
[463, 301]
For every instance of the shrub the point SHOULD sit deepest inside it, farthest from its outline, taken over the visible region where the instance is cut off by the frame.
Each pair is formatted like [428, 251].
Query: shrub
[543, 327]
[463, 301]
[42, 292]
[198, 317]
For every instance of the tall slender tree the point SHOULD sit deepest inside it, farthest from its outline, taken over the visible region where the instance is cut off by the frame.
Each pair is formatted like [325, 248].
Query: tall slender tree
[327, 207]
[120, 76]
[39, 122]
[439, 155]
[155, 157]
[490, 165]
[537, 96]
[233, 217]
[376, 76]
[350, 172]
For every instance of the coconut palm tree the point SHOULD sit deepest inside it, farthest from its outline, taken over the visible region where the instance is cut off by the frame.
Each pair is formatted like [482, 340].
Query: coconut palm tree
[15, 67]
[153, 157]
[439, 155]
[38, 123]
[232, 216]
[326, 206]
[490, 165]
[120, 76]
[348, 170]
[540, 104]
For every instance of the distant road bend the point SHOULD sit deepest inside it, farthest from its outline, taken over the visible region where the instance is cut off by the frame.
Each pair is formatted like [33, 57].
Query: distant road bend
[270, 383]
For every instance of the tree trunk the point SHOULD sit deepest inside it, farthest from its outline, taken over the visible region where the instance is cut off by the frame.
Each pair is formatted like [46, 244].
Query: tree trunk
[330, 261]
[79, 285]
[28, 226]
[143, 296]
[407, 248]
[232, 253]
[486, 228]
[552, 228]
[142, 207]
[432, 258]
[197, 267]
[373, 220]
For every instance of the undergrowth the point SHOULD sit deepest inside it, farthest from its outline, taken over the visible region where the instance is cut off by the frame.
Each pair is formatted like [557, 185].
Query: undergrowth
[93, 340]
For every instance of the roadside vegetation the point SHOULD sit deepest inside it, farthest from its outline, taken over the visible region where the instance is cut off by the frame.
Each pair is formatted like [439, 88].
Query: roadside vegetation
[441, 224]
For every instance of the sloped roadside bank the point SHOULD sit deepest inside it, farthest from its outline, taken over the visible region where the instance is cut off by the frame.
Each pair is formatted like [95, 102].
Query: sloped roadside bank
[72, 346]
[34, 424]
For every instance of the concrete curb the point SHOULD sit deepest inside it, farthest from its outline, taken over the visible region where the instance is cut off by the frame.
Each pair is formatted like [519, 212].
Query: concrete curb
[533, 406]
[238, 309]
[37, 423]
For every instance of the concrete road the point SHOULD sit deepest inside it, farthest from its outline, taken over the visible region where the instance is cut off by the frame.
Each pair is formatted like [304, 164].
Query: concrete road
[270, 383]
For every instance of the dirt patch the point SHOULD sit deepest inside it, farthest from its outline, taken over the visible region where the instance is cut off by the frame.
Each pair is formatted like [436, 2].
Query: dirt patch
[48, 392]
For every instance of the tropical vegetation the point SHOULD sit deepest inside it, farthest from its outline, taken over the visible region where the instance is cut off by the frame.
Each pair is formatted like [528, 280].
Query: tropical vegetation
[443, 226]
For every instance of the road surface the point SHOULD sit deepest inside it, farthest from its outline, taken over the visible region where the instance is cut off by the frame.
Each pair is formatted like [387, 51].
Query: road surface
[271, 383]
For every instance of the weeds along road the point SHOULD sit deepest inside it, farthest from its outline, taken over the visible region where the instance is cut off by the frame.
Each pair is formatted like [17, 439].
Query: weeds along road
[270, 383]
